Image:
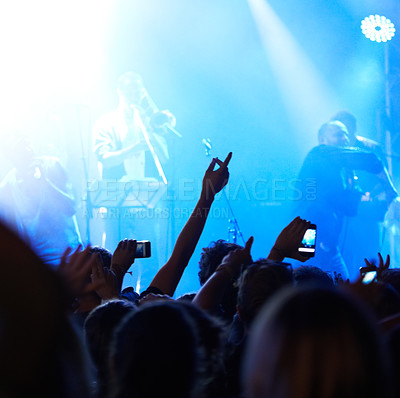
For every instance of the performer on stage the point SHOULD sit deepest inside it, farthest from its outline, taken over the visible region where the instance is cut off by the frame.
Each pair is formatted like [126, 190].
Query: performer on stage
[36, 202]
[129, 142]
[130, 145]
[363, 233]
[330, 191]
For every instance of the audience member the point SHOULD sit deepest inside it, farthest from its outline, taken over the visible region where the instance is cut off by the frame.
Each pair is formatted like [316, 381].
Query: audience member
[212, 334]
[169, 275]
[155, 353]
[315, 342]
[312, 275]
[101, 279]
[392, 277]
[211, 258]
[40, 349]
[99, 327]
[257, 281]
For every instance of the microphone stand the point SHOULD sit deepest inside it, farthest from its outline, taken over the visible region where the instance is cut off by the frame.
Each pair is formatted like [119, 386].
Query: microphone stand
[233, 229]
[89, 204]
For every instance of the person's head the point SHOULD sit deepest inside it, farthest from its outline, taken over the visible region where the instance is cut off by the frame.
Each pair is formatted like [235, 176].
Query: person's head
[333, 133]
[257, 284]
[99, 326]
[382, 298]
[212, 335]
[315, 342]
[211, 257]
[391, 276]
[348, 119]
[90, 300]
[312, 275]
[104, 254]
[40, 348]
[154, 352]
[130, 88]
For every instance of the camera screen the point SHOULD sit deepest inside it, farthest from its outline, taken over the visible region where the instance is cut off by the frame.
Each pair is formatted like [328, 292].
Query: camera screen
[139, 249]
[308, 242]
[143, 249]
[309, 238]
[369, 277]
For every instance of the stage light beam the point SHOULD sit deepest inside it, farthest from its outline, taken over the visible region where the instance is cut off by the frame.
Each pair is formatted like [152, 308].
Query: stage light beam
[307, 96]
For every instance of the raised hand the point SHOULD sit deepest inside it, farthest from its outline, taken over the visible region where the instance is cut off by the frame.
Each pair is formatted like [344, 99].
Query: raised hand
[234, 260]
[381, 266]
[212, 292]
[215, 180]
[75, 270]
[288, 241]
[107, 281]
[122, 258]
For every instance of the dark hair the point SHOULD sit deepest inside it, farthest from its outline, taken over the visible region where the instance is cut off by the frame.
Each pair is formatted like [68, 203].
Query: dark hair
[212, 256]
[258, 283]
[315, 342]
[212, 335]
[312, 274]
[105, 255]
[391, 276]
[381, 298]
[99, 327]
[154, 352]
[40, 348]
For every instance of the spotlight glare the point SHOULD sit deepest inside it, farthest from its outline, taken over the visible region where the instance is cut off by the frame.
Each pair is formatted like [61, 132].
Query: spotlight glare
[377, 28]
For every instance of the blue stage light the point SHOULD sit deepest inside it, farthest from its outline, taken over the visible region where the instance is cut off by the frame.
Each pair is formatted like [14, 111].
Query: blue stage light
[378, 28]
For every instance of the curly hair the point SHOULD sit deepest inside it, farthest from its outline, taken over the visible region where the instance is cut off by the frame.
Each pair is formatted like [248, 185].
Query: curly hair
[212, 256]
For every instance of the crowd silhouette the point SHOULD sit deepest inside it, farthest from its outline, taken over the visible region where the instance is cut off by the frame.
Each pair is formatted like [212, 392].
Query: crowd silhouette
[256, 327]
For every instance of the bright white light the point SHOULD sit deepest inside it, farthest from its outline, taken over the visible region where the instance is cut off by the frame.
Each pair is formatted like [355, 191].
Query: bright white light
[378, 28]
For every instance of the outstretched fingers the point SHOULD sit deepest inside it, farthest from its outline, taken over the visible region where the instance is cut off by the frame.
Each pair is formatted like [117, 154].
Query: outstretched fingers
[224, 164]
[249, 244]
[212, 165]
[227, 160]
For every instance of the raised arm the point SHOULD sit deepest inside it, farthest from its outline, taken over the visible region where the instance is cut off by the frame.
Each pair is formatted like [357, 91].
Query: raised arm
[168, 277]
[211, 293]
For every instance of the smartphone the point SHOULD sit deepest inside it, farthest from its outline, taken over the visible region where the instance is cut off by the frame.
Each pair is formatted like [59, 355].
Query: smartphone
[143, 249]
[307, 245]
[368, 274]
